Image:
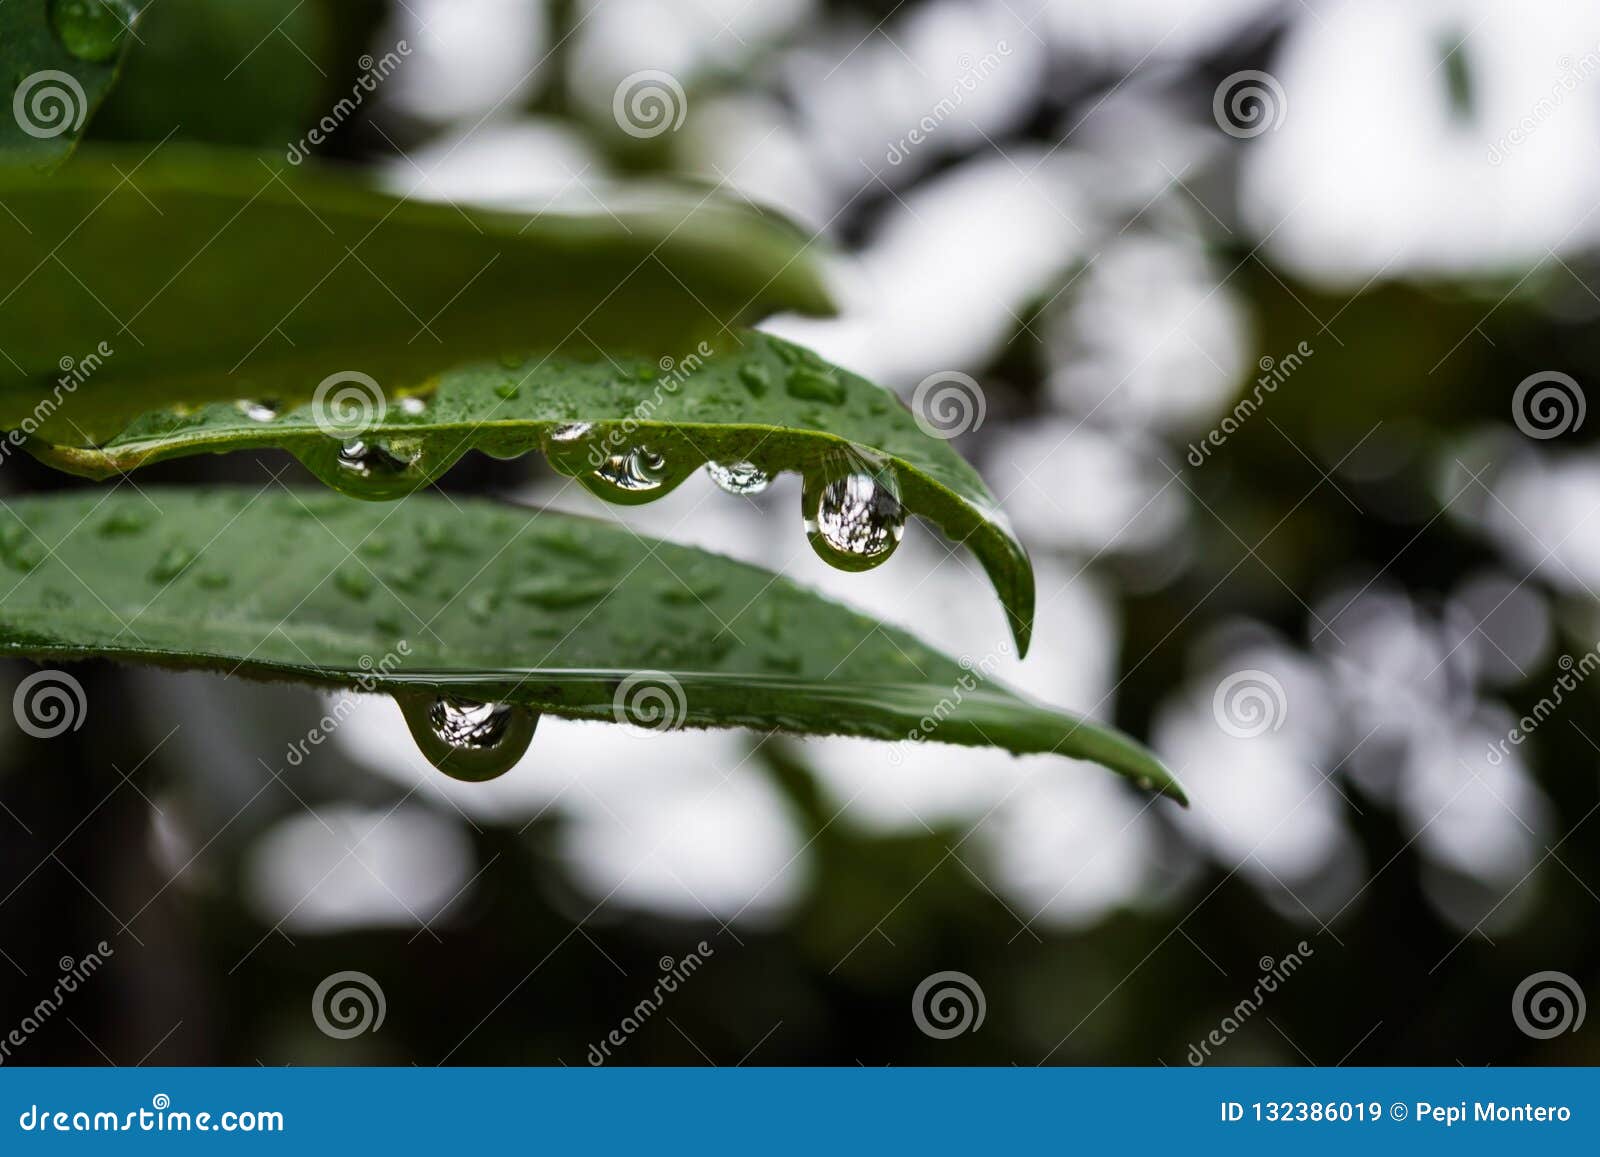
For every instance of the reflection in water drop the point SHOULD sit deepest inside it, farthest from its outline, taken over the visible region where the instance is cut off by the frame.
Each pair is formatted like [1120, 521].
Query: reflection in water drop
[570, 431]
[259, 411]
[854, 522]
[468, 740]
[739, 477]
[640, 469]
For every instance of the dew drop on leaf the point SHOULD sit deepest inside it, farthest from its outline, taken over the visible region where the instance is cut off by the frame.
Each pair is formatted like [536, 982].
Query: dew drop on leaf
[258, 411]
[739, 477]
[755, 378]
[91, 30]
[854, 522]
[813, 385]
[468, 740]
[173, 562]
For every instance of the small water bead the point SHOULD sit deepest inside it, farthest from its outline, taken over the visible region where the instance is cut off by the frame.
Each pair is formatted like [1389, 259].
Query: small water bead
[91, 30]
[466, 739]
[854, 522]
[412, 406]
[571, 431]
[756, 379]
[172, 563]
[814, 385]
[739, 477]
[259, 411]
[354, 581]
[640, 470]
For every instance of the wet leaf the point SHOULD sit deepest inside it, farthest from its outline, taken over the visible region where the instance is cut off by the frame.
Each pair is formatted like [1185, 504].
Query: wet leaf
[630, 428]
[249, 583]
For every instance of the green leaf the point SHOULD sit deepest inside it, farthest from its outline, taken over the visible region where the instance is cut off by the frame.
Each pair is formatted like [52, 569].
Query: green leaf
[61, 57]
[213, 273]
[763, 401]
[491, 604]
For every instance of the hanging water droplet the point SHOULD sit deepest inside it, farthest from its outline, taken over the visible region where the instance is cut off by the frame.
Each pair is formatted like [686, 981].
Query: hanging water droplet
[91, 29]
[1145, 783]
[570, 431]
[739, 477]
[468, 740]
[259, 411]
[639, 470]
[854, 522]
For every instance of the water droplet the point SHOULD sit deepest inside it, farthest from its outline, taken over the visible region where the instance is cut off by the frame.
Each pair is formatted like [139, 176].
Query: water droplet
[468, 740]
[1145, 783]
[259, 411]
[854, 522]
[570, 431]
[787, 353]
[354, 581]
[91, 29]
[554, 593]
[372, 470]
[739, 477]
[126, 520]
[512, 361]
[412, 406]
[639, 470]
[214, 580]
[755, 378]
[813, 385]
[509, 390]
[172, 563]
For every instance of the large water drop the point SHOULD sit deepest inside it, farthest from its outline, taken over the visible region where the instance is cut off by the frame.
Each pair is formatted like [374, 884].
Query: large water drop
[739, 477]
[468, 740]
[854, 521]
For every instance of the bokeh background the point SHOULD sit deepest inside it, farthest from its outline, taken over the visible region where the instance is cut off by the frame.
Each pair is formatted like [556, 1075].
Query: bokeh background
[1394, 554]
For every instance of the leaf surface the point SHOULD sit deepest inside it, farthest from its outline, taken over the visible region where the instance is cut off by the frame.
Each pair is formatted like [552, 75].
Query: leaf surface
[485, 602]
